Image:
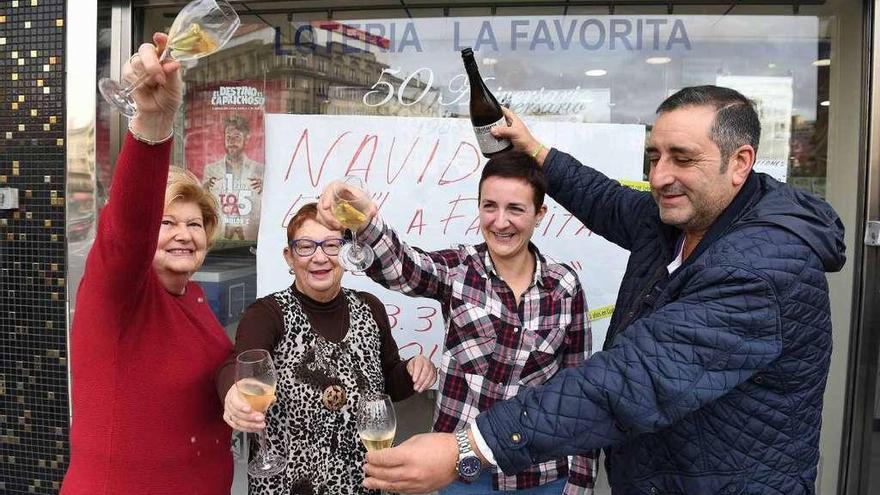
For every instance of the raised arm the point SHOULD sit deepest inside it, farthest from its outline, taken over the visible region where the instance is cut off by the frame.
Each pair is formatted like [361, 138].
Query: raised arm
[605, 206]
[661, 368]
[398, 266]
[128, 228]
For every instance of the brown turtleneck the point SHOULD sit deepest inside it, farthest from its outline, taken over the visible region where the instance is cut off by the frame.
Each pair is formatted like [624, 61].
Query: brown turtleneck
[262, 326]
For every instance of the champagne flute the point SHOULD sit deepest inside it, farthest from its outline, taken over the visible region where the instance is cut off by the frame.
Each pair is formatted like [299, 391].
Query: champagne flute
[201, 28]
[255, 379]
[376, 421]
[350, 203]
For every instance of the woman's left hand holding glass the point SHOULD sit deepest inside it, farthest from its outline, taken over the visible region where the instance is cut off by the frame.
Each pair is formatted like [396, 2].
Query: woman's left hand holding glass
[422, 371]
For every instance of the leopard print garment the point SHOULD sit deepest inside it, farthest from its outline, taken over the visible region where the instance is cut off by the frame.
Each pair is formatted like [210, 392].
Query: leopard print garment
[323, 451]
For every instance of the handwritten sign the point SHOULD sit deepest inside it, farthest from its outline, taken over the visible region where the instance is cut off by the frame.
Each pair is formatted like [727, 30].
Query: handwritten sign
[423, 174]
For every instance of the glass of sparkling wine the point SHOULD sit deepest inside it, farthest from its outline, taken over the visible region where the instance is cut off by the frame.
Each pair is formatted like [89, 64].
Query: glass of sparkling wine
[255, 379]
[350, 203]
[376, 421]
[201, 28]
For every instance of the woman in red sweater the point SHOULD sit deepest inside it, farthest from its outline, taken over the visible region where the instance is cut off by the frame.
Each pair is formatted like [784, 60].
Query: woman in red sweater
[144, 342]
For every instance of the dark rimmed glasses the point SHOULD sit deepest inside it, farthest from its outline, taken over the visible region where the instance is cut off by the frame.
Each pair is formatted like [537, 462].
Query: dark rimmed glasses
[307, 247]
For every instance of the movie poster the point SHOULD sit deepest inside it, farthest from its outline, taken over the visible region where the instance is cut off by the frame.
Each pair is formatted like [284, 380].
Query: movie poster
[225, 149]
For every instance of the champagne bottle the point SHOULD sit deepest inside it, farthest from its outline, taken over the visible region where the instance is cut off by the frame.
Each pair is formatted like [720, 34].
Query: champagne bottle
[485, 110]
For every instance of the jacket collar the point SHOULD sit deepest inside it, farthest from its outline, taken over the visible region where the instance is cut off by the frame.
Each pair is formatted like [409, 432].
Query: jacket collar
[741, 203]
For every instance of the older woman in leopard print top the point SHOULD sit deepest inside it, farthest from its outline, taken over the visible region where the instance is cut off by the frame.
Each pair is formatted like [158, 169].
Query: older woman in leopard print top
[330, 346]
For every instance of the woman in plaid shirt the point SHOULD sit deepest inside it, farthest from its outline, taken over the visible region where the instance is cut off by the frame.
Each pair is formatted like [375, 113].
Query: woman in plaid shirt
[513, 318]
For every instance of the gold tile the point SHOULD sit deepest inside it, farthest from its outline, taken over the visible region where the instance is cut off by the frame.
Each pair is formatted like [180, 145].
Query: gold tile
[47, 223]
[54, 296]
[33, 3]
[15, 76]
[46, 127]
[54, 267]
[14, 54]
[47, 179]
[2, 179]
[21, 61]
[16, 163]
[34, 112]
[14, 3]
[59, 142]
[53, 60]
[2, 19]
[14, 106]
[53, 194]
[15, 172]
[20, 127]
[45, 67]
[8, 135]
[2, 41]
[28, 193]
[54, 237]
[53, 119]
[59, 22]
[45, 90]
[10, 236]
[27, 24]
[22, 237]
[33, 53]
[29, 215]
[21, 98]
[39, 83]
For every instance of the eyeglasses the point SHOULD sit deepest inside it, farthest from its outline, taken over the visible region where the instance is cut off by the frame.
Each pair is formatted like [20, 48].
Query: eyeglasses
[307, 247]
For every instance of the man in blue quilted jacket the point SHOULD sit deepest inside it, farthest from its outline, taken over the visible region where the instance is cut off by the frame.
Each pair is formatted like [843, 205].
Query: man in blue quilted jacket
[712, 374]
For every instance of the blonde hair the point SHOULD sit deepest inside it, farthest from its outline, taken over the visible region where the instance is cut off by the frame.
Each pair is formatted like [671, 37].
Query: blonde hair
[184, 186]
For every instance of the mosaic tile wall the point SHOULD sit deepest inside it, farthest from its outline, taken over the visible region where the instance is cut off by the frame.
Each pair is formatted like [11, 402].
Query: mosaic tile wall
[33, 355]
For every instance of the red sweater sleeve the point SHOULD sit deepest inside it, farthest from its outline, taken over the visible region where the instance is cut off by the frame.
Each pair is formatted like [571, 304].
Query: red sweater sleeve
[128, 229]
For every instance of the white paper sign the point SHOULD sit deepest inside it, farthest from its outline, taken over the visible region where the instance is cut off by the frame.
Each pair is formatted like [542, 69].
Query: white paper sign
[423, 174]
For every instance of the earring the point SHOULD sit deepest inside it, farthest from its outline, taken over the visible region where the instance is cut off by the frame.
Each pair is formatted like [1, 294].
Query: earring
[290, 271]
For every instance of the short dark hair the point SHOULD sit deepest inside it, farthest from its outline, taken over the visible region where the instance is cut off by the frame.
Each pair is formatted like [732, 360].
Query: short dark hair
[517, 165]
[237, 122]
[308, 211]
[736, 121]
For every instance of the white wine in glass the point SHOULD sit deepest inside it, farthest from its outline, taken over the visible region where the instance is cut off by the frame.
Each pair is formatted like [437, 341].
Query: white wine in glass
[201, 28]
[350, 203]
[376, 421]
[255, 379]
[258, 395]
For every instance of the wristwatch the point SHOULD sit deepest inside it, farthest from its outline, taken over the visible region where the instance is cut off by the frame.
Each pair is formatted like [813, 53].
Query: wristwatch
[469, 464]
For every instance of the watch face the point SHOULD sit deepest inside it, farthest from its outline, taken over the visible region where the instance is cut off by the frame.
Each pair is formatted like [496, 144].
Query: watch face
[469, 467]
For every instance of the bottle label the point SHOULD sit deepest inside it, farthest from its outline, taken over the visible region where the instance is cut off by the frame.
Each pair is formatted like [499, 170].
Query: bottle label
[489, 143]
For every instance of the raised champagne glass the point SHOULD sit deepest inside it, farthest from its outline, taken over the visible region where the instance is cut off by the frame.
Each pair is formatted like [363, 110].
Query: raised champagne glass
[201, 28]
[350, 203]
[255, 379]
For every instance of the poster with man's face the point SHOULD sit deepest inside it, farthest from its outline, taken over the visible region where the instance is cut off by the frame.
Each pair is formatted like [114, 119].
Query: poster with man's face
[225, 148]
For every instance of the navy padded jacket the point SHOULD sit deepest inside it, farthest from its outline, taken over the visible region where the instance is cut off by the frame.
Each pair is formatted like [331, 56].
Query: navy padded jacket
[712, 377]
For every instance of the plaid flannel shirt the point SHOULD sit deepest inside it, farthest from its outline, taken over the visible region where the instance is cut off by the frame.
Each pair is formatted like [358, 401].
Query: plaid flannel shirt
[493, 346]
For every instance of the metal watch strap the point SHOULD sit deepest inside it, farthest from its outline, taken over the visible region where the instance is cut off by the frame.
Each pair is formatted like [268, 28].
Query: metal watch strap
[464, 445]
